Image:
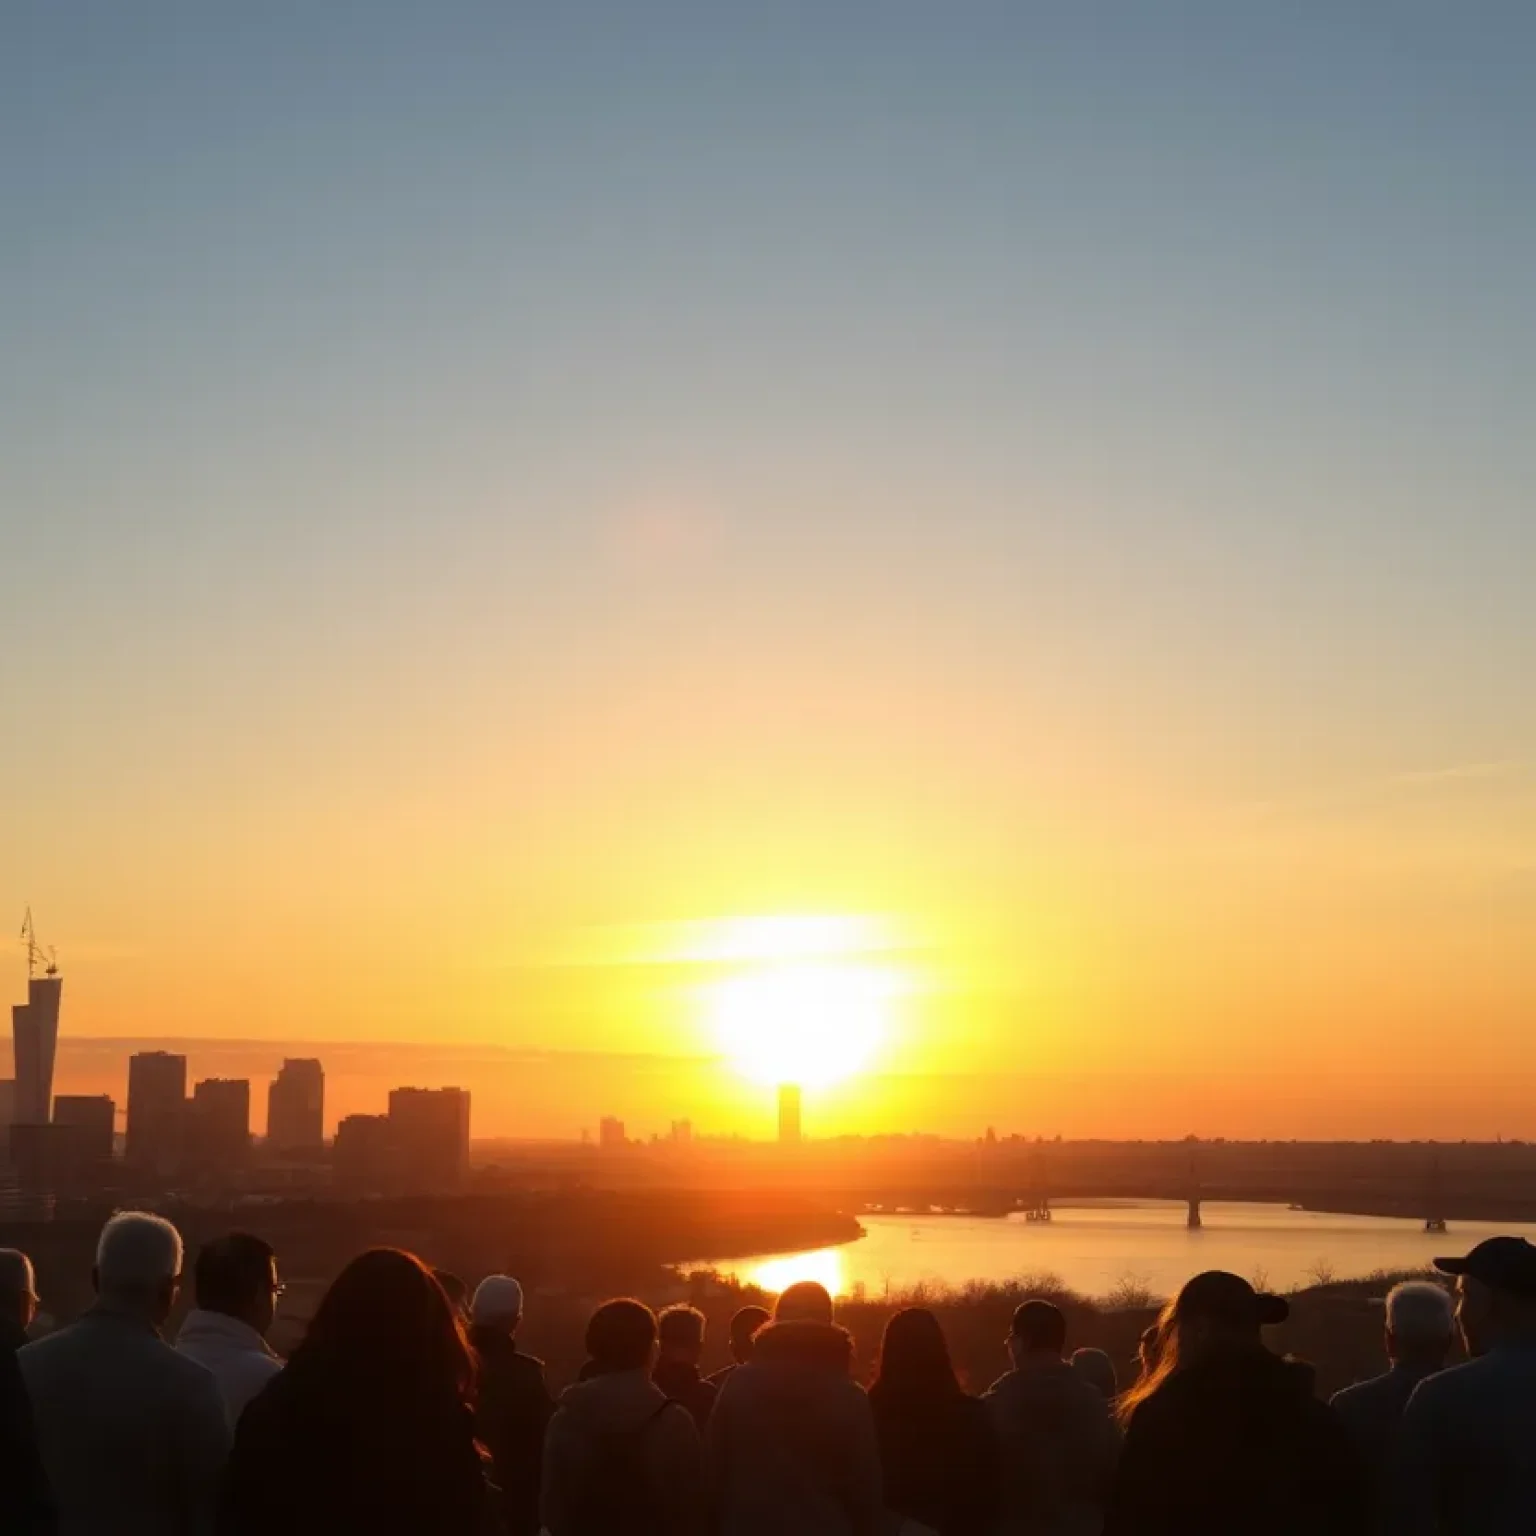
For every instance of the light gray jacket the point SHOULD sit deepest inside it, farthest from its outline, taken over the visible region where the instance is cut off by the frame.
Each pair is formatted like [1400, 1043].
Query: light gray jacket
[132, 1434]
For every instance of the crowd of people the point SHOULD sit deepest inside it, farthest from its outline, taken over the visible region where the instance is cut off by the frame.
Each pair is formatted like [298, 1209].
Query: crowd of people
[408, 1407]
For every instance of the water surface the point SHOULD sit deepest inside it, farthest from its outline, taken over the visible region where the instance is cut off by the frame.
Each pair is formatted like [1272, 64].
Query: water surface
[1095, 1248]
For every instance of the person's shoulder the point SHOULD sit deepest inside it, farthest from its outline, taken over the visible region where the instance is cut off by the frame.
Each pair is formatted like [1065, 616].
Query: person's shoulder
[1360, 1394]
[1452, 1385]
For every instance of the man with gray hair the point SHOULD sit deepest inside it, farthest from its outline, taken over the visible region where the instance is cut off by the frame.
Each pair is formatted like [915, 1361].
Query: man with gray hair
[133, 1435]
[1420, 1327]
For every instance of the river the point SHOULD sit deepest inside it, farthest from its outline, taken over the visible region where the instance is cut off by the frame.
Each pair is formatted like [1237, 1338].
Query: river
[1096, 1247]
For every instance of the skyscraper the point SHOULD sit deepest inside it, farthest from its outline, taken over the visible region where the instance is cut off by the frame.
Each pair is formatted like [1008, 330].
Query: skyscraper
[789, 1115]
[430, 1129]
[157, 1097]
[364, 1153]
[610, 1134]
[296, 1107]
[219, 1124]
[90, 1116]
[35, 1034]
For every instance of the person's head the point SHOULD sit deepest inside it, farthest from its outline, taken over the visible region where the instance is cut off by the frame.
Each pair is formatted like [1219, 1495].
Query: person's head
[138, 1264]
[498, 1304]
[1039, 1332]
[914, 1356]
[18, 1288]
[621, 1337]
[386, 1331]
[1216, 1314]
[804, 1302]
[744, 1327]
[1421, 1320]
[1148, 1348]
[1495, 1292]
[454, 1289]
[1095, 1367]
[680, 1334]
[237, 1275]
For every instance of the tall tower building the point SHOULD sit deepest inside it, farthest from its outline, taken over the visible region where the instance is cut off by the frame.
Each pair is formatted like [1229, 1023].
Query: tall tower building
[35, 1035]
[789, 1114]
[219, 1123]
[430, 1129]
[296, 1107]
[157, 1100]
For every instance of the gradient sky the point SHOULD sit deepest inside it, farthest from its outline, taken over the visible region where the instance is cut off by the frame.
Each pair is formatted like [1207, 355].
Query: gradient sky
[1061, 478]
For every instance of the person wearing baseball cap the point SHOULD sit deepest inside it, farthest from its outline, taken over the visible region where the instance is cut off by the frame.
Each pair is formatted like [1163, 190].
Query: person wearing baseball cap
[514, 1405]
[1224, 1436]
[1468, 1461]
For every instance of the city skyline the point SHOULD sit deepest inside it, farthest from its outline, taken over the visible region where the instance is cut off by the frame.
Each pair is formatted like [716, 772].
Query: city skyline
[1039, 493]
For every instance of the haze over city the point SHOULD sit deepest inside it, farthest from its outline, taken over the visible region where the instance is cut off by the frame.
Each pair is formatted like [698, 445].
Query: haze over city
[993, 558]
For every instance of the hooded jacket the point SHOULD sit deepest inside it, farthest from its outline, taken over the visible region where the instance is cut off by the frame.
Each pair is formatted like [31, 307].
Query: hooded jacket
[791, 1443]
[1059, 1447]
[1238, 1445]
[238, 1356]
[611, 1428]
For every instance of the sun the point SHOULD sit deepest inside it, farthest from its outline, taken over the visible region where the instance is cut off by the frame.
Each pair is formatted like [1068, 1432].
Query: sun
[806, 1022]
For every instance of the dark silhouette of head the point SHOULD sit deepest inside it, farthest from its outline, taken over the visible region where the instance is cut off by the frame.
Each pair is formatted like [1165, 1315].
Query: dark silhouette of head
[1039, 1332]
[744, 1326]
[680, 1334]
[914, 1357]
[1095, 1367]
[386, 1329]
[804, 1302]
[1495, 1292]
[18, 1288]
[1421, 1323]
[236, 1275]
[138, 1265]
[621, 1337]
[1215, 1316]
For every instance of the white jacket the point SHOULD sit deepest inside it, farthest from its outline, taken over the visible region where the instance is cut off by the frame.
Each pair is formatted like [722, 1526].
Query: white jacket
[238, 1356]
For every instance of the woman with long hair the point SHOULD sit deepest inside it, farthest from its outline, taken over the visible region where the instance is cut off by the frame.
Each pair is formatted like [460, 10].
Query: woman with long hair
[370, 1427]
[1224, 1436]
[938, 1454]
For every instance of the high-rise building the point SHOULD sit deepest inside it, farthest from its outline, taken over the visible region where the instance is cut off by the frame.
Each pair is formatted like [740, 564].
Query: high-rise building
[789, 1115]
[610, 1134]
[157, 1100]
[430, 1127]
[296, 1107]
[81, 1143]
[219, 1124]
[35, 1035]
[363, 1153]
[682, 1133]
[91, 1116]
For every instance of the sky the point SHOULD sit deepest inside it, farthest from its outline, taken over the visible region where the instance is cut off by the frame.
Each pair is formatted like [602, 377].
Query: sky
[1054, 482]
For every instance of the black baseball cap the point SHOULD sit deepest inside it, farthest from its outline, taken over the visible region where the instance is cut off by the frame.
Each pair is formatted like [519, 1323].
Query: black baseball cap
[1501, 1263]
[1228, 1298]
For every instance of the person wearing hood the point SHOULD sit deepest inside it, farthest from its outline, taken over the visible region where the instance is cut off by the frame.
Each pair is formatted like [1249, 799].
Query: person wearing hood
[680, 1336]
[621, 1458]
[1227, 1437]
[791, 1443]
[1059, 1441]
[513, 1407]
[235, 1292]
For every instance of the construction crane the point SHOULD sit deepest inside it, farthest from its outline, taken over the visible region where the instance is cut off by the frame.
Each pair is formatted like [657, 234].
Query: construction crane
[36, 954]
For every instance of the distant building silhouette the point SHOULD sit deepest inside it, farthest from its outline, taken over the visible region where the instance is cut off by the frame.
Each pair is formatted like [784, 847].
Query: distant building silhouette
[430, 1131]
[83, 1139]
[610, 1134]
[296, 1107]
[363, 1152]
[218, 1126]
[157, 1102]
[35, 1040]
[789, 1115]
[682, 1133]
